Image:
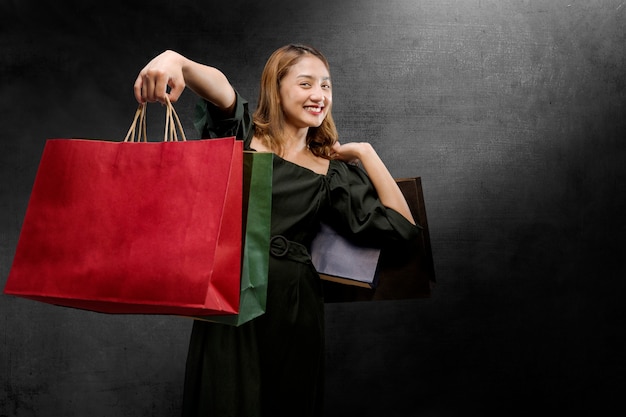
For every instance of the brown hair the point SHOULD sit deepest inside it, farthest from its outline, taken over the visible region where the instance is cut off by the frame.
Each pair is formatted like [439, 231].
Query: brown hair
[269, 119]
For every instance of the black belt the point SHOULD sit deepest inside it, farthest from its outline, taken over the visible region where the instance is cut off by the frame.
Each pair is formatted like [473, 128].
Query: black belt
[281, 247]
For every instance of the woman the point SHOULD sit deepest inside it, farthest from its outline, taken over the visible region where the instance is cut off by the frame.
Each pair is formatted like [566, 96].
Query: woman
[273, 366]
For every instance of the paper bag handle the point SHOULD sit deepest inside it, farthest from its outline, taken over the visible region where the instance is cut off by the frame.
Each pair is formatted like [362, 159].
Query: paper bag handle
[137, 131]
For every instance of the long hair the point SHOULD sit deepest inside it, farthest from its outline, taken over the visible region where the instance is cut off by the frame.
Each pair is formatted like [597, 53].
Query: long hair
[269, 120]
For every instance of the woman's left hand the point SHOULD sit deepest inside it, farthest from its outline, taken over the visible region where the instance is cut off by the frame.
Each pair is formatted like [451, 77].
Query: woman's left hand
[350, 152]
[385, 185]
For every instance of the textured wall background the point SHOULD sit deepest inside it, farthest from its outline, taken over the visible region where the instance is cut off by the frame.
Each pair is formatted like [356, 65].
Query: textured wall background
[512, 112]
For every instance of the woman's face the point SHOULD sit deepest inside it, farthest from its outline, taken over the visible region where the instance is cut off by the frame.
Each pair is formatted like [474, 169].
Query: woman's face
[305, 93]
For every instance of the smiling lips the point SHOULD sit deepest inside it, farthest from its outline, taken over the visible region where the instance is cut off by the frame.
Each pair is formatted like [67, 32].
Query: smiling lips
[314, 109]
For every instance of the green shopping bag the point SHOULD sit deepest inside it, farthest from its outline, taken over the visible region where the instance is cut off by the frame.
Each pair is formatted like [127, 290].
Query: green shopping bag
[257, 206]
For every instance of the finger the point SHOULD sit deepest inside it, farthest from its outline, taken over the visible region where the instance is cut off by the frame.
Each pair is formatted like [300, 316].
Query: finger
[138, 89]
[176, 89]
[160, 89]
[144, 88]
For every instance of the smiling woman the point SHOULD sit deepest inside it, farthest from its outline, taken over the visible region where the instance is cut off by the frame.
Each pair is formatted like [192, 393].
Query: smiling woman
[303, 75]
[274, 364]
[305, 97]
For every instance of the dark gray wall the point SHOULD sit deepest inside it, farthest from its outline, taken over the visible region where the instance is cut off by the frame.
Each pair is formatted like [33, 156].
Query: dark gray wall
[512, 112]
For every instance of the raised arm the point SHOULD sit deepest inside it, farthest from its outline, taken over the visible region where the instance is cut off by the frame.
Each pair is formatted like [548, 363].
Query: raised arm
[176, 71]
[385, 185]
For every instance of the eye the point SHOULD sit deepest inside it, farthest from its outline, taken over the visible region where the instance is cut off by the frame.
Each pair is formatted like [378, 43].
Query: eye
[305, 84]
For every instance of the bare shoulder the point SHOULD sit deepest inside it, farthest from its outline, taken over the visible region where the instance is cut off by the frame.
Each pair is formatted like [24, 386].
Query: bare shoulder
[258, 146]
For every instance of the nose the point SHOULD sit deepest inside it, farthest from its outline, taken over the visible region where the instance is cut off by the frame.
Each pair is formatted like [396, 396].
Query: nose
[318, 96]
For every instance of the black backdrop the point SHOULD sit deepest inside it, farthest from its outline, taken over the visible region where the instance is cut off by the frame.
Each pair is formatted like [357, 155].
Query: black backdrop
[512, 112]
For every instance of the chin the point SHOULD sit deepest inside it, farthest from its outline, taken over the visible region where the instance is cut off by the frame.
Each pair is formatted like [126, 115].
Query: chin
[318, 122]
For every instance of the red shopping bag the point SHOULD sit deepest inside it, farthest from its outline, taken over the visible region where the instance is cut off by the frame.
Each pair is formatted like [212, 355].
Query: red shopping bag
[134, 227]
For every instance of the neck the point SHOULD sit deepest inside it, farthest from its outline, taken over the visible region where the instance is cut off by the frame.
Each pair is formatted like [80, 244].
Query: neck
[295, 141]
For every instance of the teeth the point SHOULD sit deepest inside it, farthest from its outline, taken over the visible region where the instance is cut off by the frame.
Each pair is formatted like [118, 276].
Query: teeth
[313, 108]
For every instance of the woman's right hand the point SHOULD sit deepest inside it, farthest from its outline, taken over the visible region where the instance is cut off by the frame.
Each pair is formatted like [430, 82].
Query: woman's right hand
[166, 69]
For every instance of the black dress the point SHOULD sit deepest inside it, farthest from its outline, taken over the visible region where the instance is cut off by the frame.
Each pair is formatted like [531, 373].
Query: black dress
[273, 366]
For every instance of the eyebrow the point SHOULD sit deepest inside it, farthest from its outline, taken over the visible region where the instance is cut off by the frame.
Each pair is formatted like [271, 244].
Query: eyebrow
[312, 77]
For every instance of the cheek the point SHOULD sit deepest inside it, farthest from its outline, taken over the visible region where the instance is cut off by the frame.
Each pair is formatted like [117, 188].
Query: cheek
[285, 97]
[283, 94]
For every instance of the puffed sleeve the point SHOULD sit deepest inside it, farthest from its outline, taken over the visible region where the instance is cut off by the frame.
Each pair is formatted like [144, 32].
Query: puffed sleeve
[211, 122]
[356, 210]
